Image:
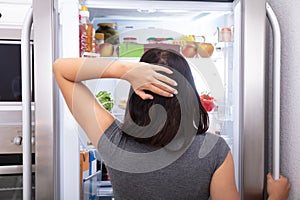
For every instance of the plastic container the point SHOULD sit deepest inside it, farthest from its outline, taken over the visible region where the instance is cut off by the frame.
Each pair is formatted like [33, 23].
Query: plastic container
[85, 32]
[226, 35]
[154, 40]
[131, 40]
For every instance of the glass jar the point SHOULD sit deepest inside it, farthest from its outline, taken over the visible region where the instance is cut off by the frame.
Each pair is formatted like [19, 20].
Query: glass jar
[226, 35]
[111, 35]
[99, 38]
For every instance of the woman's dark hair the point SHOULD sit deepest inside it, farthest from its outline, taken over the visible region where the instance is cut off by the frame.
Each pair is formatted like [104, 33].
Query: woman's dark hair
[176, 108]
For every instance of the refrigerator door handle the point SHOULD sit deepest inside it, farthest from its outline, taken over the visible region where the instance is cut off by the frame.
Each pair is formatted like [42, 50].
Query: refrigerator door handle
[26, 104]
[276, 92]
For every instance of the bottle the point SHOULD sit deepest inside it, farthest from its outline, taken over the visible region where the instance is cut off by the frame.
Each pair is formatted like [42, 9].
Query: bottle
[85, 32]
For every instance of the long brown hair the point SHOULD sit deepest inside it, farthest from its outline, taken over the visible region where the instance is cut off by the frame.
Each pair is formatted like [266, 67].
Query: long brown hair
[177, 108]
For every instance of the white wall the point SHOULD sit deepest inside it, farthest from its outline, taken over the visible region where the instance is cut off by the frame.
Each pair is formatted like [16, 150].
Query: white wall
[288, 15]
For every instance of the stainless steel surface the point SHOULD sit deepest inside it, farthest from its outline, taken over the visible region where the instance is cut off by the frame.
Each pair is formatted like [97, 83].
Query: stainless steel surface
[17, 140]
[13, 169]
[11, 33]
[11, 139]
[11, 42]
[7, 33]
[276, 92]
[44, 32]
[11, 113]
[26, 105]
[253, 98]
[11, 126]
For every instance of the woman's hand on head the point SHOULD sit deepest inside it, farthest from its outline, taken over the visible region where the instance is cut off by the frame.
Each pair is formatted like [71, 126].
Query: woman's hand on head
[147, 77]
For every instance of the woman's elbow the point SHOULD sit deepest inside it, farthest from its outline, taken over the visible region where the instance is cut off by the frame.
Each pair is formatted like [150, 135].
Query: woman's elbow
[57, 65]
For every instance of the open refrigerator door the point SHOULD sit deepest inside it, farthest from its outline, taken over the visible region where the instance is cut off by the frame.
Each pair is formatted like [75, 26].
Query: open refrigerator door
[205, 33]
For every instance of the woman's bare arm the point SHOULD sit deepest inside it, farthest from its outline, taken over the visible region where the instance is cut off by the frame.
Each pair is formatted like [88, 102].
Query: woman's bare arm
[92, 117]
[223, 185]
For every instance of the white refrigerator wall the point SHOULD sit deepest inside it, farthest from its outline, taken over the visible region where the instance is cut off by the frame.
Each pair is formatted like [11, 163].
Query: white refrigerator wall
[69, 140]
[288, 14]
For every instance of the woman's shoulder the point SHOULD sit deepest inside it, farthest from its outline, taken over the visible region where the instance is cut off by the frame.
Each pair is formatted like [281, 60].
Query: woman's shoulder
[112, 133]
[212, 144]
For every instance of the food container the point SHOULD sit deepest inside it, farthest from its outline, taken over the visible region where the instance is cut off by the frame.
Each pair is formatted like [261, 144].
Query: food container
[155, 40]
[131, 50]
[129, 40]
[111, 35]
[226, 35]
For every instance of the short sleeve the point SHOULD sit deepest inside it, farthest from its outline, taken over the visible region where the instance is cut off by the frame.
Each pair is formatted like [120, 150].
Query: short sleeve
[221, 153]
[113, 134]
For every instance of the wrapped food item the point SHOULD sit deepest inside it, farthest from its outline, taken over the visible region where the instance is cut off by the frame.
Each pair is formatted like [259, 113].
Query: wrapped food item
[105, 99]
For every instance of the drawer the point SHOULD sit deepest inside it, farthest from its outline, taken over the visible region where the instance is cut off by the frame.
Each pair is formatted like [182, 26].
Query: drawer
[11, 139]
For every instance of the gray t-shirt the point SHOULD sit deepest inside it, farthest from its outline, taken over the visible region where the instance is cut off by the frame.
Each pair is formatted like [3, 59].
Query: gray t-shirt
[186, 178]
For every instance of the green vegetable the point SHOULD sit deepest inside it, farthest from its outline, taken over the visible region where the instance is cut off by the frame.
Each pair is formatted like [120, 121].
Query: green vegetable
[106, 100]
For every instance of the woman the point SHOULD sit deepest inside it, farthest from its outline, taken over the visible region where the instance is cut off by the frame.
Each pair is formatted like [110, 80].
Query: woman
[162, 150]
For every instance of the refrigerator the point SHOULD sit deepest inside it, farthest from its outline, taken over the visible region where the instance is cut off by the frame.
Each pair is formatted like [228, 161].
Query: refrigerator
[237, 75]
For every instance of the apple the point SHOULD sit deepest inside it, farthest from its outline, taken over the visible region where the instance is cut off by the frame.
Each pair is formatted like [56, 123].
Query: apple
[106, 50]
[205, 50]
[189, 50]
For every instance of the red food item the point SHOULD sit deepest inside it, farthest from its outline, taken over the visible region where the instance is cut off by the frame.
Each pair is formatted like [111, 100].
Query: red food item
[207, 102]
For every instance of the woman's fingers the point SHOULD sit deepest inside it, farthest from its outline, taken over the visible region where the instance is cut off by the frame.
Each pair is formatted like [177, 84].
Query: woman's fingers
[165, 79]
[270, 177]
[148, 77]
[143, 95]
[164, 87]
[158, 90]
[162, 69]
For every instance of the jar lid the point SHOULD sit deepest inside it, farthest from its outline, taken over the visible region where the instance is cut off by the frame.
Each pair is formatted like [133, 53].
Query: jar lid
[84, 8]
[106, 24]
[99, 36]
[226, 30]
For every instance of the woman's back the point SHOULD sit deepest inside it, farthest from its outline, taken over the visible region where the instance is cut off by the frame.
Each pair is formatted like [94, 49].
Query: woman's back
[187, 177]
